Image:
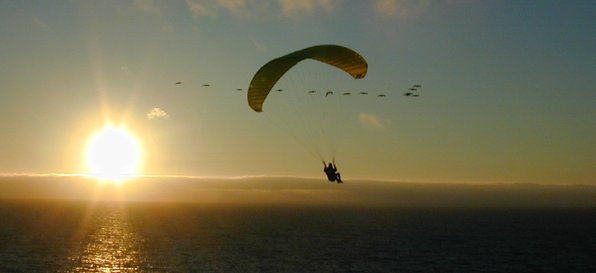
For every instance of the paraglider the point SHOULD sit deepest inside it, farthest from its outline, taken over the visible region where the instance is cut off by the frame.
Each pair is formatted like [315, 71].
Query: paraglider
[269, 74]
[341, 57]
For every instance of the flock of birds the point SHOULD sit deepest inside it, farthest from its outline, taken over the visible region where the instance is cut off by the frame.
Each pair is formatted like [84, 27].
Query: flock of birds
[204, 85]
[412, 91]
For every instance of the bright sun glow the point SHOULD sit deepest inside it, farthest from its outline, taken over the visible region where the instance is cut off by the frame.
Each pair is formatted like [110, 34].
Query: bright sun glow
[113, 154]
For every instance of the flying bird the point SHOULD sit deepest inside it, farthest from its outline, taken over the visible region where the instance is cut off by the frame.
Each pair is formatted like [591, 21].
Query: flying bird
[178, 82]
[347, 94]
[417, 85]
[363, 93]
[279, 90]
[381, 95]
[312, 91]
[238, 89]
[408, 94]
[206, 85]
[328, 93]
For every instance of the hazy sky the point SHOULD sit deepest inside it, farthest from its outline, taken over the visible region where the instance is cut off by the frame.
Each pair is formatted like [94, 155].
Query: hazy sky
[508, 87]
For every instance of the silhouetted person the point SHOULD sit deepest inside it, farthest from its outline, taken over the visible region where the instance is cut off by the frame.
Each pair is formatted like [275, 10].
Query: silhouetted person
[331, 172]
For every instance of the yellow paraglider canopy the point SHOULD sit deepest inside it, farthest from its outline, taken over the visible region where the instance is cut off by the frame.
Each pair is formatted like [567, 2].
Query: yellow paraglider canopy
[341, 57]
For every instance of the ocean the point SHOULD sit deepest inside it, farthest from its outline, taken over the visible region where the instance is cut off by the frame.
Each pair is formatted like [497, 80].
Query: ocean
[69, 236]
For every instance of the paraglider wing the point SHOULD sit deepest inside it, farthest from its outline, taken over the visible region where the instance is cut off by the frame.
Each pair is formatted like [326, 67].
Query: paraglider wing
[338, 56]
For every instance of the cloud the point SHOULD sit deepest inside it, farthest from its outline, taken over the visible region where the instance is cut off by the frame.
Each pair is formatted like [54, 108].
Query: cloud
[370, 120]
[148, 6]
[293, 7]
[259, 45]
[200, 9]
[250, 8]
[211, 8]
[234, 6]
[157, 113]
[40, 23]
[125, 69]
[401, 9]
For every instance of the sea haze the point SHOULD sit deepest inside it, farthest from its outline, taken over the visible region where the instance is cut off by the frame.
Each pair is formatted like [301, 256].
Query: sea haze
[299, 191]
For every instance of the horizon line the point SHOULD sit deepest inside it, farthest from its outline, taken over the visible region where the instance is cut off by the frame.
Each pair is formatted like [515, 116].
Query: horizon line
[240, 177]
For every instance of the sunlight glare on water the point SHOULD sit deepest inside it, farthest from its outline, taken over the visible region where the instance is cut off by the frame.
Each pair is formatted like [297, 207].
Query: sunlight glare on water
[75, 237]
[112, 248]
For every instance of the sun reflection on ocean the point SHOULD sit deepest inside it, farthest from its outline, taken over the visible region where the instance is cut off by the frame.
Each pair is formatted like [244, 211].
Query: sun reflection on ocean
[113, 247]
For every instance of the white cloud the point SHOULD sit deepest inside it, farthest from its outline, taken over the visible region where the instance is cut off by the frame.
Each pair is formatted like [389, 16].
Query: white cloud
[370, 120]
[245, 8]
[148, 6]
[157, 113]
[401, 9]
[253, 7]
[234, 6]
[200, 9]
[125, 69]
[259, 45]
[293, 7]
[40, 23]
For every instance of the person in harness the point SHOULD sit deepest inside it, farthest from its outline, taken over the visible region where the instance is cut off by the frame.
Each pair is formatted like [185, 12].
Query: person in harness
[331, 171]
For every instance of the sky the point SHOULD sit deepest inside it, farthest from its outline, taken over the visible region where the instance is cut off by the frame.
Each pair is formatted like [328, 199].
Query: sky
[507, 88]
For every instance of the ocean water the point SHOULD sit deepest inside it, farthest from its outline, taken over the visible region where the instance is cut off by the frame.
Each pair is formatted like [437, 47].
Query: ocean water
[144, 237]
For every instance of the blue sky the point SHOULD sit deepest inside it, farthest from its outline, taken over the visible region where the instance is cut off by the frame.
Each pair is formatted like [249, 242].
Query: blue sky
[508, 86]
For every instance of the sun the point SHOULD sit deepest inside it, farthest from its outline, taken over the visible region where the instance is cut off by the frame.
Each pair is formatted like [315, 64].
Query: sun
[113, 154]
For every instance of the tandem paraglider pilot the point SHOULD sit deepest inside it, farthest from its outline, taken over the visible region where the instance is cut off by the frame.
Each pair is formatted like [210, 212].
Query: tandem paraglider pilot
[331, 172]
